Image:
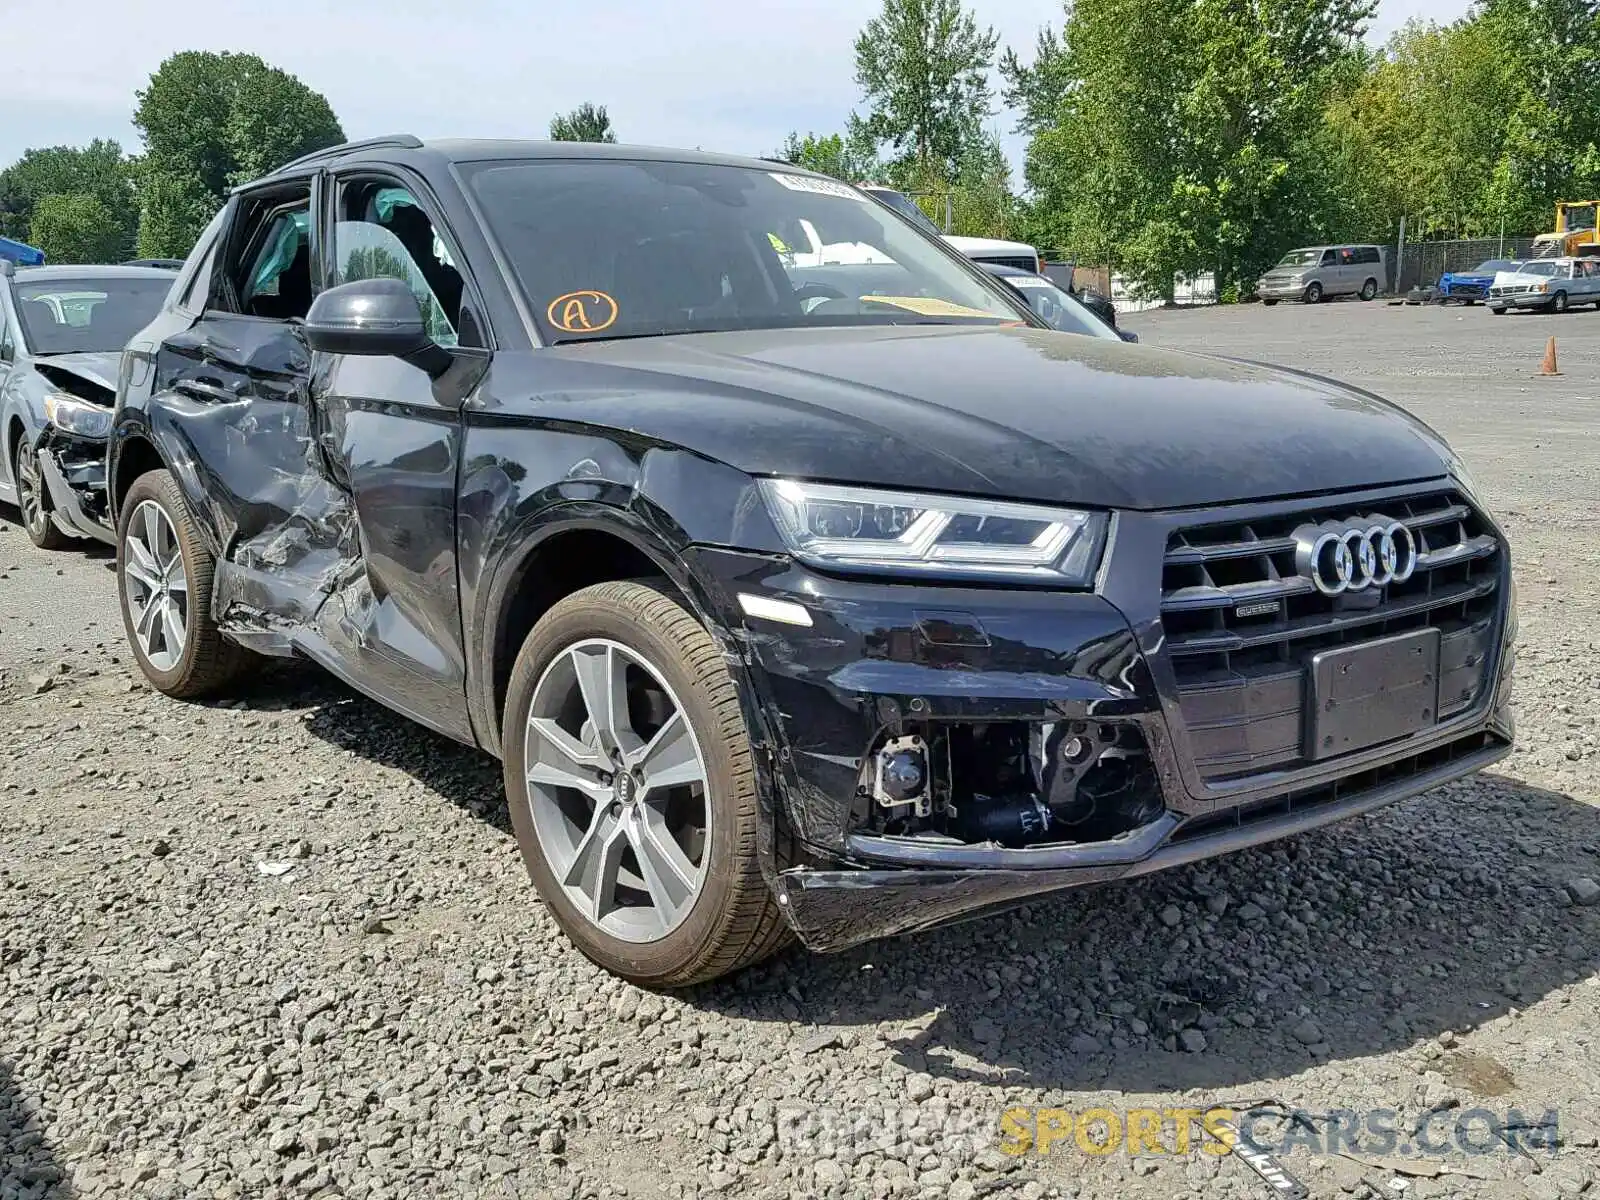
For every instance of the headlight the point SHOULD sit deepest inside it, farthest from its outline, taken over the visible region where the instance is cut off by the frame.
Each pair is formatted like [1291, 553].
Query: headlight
[901, 532]
[76, 416]
[1543, 287]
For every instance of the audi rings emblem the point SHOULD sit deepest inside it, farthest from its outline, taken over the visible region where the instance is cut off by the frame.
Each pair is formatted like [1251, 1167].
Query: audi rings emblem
[1351, 556]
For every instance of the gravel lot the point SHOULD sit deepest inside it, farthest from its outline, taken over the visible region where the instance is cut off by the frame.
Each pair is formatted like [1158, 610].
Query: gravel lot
[284, 946]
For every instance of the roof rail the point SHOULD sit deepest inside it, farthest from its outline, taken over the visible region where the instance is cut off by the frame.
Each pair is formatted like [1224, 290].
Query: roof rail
[399, 141]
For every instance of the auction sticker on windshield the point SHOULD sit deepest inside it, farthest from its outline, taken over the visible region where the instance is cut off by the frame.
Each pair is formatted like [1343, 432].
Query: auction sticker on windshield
[929, 306]
[821, 187]
[582, 312]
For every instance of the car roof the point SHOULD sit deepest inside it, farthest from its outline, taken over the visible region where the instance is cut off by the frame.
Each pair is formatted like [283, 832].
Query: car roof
[403, 148]
[89, 271]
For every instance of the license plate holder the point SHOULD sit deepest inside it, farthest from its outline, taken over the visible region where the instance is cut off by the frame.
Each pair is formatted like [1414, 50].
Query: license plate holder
[1375, 692]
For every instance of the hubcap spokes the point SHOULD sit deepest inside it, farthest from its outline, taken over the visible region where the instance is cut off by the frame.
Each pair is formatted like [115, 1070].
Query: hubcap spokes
[617, 790]
[155, 586]
[29, 498]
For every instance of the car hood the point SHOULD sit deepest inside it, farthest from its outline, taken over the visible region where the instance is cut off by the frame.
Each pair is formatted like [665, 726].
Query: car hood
[1465, 277]
[1517, 279]
[1012, 411]
[97, 367]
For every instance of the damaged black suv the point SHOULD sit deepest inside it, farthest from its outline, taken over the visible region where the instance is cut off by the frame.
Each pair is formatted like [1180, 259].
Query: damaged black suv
[801, 578]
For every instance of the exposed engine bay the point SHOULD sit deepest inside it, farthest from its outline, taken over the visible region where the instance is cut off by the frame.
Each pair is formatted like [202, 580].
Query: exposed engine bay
[1009, 783]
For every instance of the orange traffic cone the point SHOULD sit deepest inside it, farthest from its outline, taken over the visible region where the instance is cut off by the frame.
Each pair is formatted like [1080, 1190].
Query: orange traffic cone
[1548, 366]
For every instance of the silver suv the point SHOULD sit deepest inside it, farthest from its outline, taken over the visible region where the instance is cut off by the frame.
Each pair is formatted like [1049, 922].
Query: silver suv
[1314, 272]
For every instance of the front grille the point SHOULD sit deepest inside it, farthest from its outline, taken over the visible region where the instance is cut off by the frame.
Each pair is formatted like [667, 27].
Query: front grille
[1466, 289]
[1020, 261]
[1241, 623]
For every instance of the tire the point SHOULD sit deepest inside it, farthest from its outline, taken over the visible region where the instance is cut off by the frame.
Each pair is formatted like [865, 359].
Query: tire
[1558, 302]
[729, 919]
[1268, 303]
[205, 661]
[1499, 312]
[33, 499]
[1369, 289]
[1313, 293]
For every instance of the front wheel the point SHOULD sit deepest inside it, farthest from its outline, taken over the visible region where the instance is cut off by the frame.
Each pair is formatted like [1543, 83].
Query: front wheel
[1369, 289]
[1313, 293]
[632, 789]
[1268, 303]
[164, 574]
[32, 499]
[1497, 311]
[1558, 302]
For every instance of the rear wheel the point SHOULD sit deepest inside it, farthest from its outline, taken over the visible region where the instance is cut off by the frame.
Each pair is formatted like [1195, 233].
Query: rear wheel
[1499, 312]
[632, 789]
[1313, 293]
[32, 498]
[164, 575]
[1268, 303]
[1369, 289]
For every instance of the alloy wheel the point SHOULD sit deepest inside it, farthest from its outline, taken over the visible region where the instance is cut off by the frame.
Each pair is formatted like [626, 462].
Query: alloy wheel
[617, 790]
[30, 493]
[155, 586]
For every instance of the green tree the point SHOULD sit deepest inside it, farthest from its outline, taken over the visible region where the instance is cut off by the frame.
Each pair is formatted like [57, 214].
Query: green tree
[77, 227]
[1183, 136]
[831, 154]
[1552, 119]
[210, 122]
[586, 123]
[923, 69]
[98, 170]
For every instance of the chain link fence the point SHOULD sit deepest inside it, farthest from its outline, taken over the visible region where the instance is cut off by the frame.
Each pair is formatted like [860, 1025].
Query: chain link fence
[1422, 263]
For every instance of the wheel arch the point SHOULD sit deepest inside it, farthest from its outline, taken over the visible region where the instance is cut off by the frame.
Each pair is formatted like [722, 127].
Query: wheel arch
[136, 454]
[573, 546]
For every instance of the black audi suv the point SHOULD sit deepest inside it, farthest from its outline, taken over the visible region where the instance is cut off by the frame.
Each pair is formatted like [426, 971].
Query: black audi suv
[823, 592]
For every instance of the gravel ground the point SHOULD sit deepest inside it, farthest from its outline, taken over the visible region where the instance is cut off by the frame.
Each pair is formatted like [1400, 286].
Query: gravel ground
[284, 946]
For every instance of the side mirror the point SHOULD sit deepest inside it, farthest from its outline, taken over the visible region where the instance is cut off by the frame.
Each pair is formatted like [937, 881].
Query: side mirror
[1127, 335]
[374, 317]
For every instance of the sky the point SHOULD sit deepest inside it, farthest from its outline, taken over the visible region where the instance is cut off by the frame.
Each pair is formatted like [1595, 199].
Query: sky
[690, 73]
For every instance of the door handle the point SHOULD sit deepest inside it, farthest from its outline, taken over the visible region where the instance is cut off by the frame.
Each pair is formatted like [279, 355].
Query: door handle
[201, 390]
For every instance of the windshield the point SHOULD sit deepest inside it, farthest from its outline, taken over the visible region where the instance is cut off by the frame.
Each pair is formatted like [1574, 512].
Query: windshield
[1301, 258]
[1539, 268]
[1057, 309]
[68, 316]
[609, 248]
[1494, 265]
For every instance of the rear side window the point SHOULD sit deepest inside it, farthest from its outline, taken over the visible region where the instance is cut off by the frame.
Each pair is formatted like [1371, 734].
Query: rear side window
[1367, 254]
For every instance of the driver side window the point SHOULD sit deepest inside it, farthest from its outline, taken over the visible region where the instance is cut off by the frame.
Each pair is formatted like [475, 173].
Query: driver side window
[384, 232]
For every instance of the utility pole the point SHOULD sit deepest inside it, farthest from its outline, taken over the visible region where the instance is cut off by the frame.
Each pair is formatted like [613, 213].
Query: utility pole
[1400, 256]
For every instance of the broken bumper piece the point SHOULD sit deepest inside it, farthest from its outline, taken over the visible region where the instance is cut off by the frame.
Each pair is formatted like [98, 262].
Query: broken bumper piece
[74, 472]
[940, 753]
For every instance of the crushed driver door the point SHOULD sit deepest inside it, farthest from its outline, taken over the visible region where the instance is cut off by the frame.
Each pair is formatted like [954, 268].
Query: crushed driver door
[390, 437]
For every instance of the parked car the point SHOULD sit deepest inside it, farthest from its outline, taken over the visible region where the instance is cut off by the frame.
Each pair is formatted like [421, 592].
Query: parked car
[1314, 273]
[1060, 309]
[837, 608]
[987, 251]
[1547, 284]
[61, 335]
[1470, 287]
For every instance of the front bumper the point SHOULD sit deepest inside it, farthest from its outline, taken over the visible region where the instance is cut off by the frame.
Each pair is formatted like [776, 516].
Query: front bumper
[1280, 289]
[879, 654]
[1517, 299]
[74, 473]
